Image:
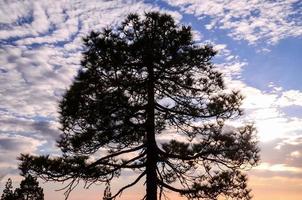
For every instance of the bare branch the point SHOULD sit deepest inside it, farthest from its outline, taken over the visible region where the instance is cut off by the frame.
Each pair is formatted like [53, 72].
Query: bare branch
[129, 185]
[101, 160]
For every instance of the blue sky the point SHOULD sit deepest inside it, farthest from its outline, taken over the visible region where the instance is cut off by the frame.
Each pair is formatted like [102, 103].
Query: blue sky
[259, 44]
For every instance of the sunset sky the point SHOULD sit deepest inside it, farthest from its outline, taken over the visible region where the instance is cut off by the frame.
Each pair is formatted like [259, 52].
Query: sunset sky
[260, 52]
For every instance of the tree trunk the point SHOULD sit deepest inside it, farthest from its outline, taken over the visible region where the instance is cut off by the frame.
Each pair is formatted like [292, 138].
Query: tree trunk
[151, 187]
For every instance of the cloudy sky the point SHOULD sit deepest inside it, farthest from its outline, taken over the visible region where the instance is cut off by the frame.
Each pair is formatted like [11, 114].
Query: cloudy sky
[260, 52]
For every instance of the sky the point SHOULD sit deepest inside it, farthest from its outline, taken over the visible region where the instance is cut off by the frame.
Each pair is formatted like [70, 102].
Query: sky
[260, 53]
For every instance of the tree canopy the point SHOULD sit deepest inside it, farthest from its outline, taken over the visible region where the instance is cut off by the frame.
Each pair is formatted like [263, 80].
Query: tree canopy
[29, 190]
[148, 98]
[8, 193]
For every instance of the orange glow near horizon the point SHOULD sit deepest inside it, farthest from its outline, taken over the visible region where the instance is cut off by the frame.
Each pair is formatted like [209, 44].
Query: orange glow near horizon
[275, 188]
[263, 188]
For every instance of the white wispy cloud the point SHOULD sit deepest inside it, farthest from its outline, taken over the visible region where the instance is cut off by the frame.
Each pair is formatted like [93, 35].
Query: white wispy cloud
[43, 47]
[278, 168]
[290, 98]
[250, 20]
[265, 109]
[295, 154]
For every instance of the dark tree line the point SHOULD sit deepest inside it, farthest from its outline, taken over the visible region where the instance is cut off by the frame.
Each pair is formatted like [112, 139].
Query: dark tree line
[139, 81]
[29, 190]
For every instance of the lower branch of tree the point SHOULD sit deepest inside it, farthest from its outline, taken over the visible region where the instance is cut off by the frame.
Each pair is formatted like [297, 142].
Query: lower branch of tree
[101, 160]
[129, 185]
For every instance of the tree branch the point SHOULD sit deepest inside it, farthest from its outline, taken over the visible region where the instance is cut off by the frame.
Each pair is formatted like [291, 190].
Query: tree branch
[165, 109]
[181, 191]
[193, 157]
[129, 185]
[99, 161]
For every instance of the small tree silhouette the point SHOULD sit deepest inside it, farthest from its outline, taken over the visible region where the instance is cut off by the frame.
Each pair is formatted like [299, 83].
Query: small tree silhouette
[29, 189]
[138, 82]
[107, 192]
[8, 193]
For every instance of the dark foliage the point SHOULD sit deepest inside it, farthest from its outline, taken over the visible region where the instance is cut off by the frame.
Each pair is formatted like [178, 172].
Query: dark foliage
[140, 82]
[8, 193]
[29, 189]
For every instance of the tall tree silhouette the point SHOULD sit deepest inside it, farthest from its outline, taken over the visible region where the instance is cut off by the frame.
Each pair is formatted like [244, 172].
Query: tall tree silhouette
[29, 189]
[8, 193]
[148, 99]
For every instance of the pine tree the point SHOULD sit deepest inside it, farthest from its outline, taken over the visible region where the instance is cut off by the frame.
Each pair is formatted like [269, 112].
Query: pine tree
[148, 99]
[29, 189]
[8, 191]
